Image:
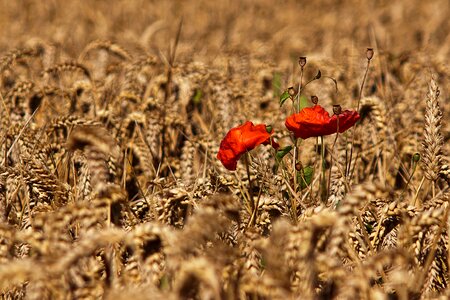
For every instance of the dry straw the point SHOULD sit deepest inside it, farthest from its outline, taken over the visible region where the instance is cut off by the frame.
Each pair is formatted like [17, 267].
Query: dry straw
[109, 183]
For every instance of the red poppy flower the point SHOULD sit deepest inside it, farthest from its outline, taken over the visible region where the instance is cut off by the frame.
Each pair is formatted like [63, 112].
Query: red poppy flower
[316, 121]
[240, 140]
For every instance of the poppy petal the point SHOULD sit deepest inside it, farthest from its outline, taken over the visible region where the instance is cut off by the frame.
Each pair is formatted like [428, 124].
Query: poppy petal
[316, 121]
[241, 139]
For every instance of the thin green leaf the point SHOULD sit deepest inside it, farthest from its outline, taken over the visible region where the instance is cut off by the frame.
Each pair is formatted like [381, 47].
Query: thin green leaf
[284, 97]
[282, 152]
[305, 176]
[279, 157]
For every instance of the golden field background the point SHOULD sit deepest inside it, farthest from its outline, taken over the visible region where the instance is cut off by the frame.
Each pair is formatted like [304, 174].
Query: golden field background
[279, 30]
[109, 129]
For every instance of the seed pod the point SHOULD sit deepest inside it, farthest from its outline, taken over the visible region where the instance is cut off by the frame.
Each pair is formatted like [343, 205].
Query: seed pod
[291, 91]
[302, 61]
[319, 74]
[314, 99]
[337, 109]
[369, 53]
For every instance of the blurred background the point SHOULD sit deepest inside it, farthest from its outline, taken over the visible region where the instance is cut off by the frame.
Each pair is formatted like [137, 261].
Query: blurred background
[83, 69]
[277, 30]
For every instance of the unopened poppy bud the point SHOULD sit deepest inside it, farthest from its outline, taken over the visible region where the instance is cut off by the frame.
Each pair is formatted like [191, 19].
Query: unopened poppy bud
[416, 157]
[269, 128]
[369, 53]
[314, 99]
[302, 61]
[337, 109]
[319, 74]
[291, 91]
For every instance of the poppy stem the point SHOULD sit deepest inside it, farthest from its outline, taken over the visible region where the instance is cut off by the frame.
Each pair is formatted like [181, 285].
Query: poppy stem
[323, 193]
[294, 167]
[250, 187]
[362, 85]
[357, 109]
[331, 157]
[300, 88]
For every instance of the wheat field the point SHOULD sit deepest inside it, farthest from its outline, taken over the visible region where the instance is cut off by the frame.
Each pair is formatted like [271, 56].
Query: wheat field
[112, 114]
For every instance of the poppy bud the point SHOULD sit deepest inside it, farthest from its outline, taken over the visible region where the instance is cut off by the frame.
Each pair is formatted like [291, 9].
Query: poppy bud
[369, 53]
[314, 99]
[337, 109]
[319, 74]
[291, 91]
[416, 157]
[269, 128]
[298, 166]
[302, 61]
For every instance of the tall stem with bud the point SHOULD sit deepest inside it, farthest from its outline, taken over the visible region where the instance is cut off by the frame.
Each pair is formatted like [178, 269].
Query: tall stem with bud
[369, 55]
[302, 63]
[250, 190]
[337, 109]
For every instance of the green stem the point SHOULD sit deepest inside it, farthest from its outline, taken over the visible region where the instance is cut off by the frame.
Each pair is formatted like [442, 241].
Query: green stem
[294, 169]
[300, 87]
[331, 157]
[357, 109]
[322, 180]
[250, 185]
